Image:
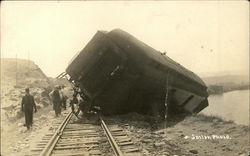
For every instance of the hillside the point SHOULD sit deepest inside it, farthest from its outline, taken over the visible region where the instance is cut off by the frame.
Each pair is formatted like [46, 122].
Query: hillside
[16, 75]
[21, 72]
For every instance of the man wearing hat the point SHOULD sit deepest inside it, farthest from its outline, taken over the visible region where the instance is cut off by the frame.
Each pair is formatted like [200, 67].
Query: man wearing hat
[28, 105]
[56, 100]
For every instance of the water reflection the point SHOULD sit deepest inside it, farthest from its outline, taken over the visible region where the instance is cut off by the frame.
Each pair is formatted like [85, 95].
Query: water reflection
[230, 106]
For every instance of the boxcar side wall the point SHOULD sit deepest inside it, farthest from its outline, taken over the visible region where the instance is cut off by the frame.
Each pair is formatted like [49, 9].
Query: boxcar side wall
[155, 77]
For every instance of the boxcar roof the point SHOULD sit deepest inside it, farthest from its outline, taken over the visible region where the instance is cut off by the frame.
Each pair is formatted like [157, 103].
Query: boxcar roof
[154, 54]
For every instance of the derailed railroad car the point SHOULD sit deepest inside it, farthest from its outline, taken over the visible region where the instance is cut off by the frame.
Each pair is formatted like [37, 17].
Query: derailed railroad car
[121, 74]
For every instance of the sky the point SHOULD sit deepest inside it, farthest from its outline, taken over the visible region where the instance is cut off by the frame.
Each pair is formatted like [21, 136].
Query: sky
[205, 37]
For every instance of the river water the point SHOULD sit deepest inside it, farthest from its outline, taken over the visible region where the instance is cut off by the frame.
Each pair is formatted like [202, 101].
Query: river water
[230, 106]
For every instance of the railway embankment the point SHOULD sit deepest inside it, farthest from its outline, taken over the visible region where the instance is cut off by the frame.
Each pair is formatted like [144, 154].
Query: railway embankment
[195, 135]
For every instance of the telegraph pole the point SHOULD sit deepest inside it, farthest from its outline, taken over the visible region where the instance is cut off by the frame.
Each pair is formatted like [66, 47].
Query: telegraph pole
[16, 69]
[28, 61]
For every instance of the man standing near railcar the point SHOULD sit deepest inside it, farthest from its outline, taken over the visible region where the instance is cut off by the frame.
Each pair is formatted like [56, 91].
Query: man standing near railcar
[63, 96]
[28, 105]
[56, 100]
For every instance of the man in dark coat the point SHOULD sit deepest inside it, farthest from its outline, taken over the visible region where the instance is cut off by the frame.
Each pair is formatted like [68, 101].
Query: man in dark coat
[28, 105]
[63, 97]
[56, 100]
[73, 102]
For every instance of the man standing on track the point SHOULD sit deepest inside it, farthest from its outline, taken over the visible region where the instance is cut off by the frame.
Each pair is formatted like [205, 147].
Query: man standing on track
[56, 100]
[63, 96]
[28, 104]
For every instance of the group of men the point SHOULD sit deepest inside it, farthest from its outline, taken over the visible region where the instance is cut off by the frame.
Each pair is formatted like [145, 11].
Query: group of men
[28, 105]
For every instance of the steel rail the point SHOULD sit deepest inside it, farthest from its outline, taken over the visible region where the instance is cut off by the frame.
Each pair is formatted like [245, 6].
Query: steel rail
[111, 140]
[52, 142]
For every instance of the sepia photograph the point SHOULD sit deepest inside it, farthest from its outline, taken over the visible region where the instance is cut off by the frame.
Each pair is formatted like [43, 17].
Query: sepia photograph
[125, 78]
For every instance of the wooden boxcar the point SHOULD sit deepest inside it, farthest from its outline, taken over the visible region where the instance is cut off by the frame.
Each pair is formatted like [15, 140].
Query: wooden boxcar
[121, 74]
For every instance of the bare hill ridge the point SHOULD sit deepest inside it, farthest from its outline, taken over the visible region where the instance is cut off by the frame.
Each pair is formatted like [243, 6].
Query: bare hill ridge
[25, 71]
[16, 75]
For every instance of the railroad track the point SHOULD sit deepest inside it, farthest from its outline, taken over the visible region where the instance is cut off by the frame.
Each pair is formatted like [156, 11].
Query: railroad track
[90, 137]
